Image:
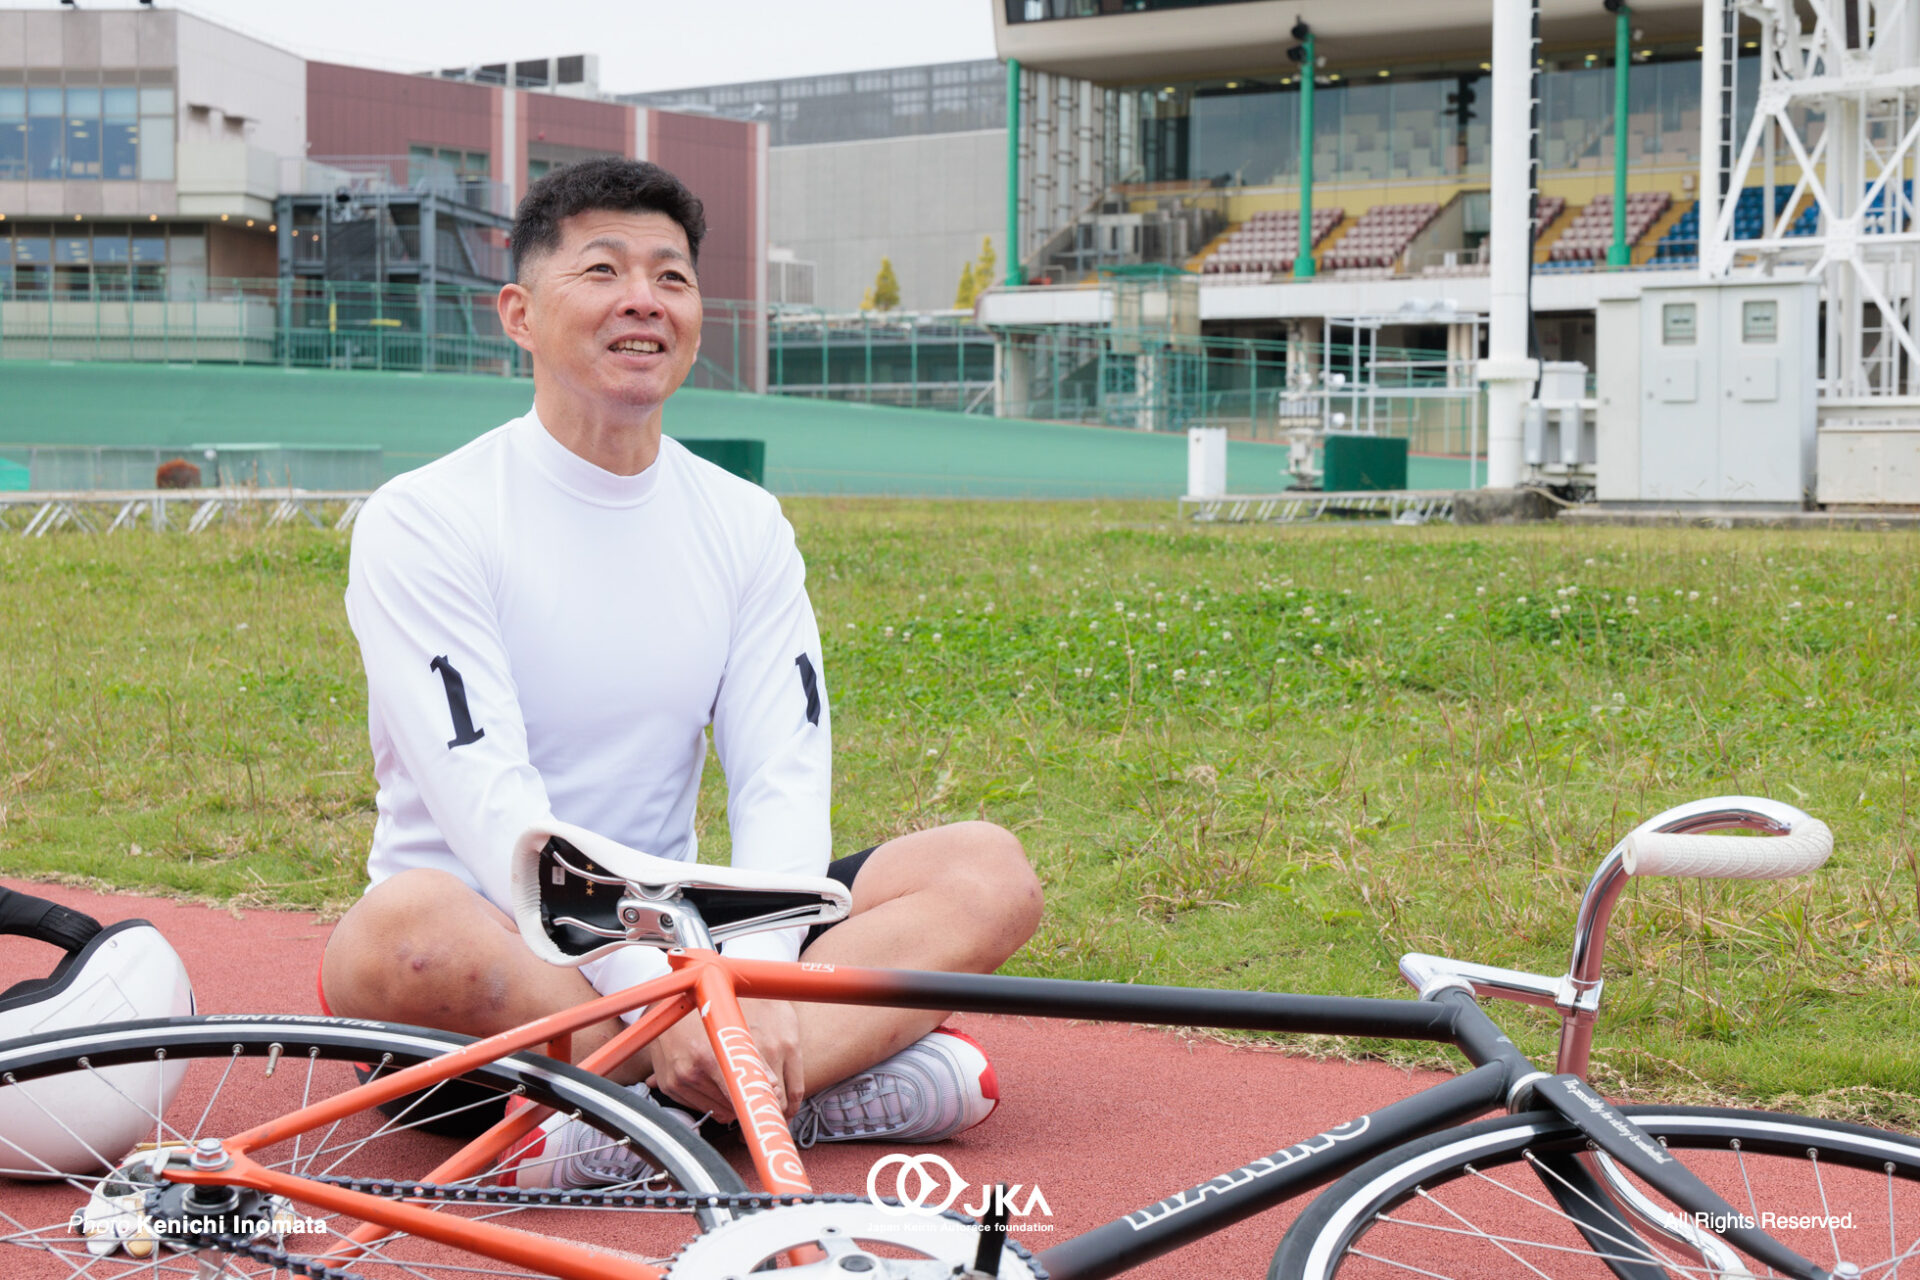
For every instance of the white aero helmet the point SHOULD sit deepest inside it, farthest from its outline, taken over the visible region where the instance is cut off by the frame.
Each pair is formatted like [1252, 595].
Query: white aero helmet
[84, 1122]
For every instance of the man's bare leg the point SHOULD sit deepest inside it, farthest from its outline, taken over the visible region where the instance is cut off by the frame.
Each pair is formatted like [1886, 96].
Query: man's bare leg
[423, 948]
[954, 899]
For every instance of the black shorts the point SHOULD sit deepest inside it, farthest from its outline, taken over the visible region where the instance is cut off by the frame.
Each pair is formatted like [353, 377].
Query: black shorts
[478, 1108]
[843, 870]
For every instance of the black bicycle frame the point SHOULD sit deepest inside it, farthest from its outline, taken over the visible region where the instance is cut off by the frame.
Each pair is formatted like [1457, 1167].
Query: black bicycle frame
[1451, 1017]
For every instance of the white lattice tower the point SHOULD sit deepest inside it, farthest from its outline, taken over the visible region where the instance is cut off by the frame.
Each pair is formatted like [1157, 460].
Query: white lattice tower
[1836, 123]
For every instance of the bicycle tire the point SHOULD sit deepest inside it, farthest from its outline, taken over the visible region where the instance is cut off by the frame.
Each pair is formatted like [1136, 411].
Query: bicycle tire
[242, 1070]
[1449, 1204]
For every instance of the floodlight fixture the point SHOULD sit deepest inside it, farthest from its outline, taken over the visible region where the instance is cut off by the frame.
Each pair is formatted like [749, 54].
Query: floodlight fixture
[1301, 30]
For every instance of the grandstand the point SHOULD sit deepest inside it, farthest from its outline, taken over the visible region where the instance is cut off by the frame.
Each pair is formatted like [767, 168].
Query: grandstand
[1268, 241]
[1586, 239]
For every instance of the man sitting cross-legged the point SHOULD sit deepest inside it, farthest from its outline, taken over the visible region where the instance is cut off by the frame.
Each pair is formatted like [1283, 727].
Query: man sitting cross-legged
[551, 618]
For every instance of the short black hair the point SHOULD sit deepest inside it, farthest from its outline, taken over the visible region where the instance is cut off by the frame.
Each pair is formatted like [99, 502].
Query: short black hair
[610, 183]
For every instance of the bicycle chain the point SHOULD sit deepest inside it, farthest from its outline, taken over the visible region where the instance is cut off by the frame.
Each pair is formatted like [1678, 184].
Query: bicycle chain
[293, 1264]
[390, 1188]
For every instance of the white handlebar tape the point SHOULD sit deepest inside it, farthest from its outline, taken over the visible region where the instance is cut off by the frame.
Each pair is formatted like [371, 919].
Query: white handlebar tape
[1717, 857]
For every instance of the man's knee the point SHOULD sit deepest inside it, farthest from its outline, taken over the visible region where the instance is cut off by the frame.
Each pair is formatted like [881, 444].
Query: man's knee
[985, 870]
[419, 946]
[1001, 861]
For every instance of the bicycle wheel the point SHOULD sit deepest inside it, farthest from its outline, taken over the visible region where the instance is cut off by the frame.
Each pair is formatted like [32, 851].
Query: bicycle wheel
[243, 1070]
[1492, 1199]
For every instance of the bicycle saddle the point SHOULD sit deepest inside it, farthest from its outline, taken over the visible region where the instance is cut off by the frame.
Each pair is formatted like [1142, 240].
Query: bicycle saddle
[570, 887]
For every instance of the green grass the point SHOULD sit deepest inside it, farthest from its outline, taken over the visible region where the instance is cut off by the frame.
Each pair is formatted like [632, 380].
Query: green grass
[1238, 756]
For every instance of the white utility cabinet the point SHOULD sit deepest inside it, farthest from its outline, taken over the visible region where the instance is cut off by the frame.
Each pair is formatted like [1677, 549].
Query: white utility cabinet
[1725, 374]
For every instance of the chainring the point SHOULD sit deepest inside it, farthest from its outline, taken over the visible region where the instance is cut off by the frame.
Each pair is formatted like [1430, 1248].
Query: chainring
[835, 1225]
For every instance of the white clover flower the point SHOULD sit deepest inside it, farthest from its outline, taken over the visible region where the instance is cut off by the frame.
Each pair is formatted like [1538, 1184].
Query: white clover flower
[1849, 604]
[1479, 591]
[923, 597]
[1319, 649]
[1811, 703]
[1693, 595]
[1061, 644]
[1793, 604]
[1620, 698]
[1226, 635]
[936, 637]
[933, 751]
[1521, 600]
[1632, 601]
[1179, 674]
[1160, 627]
[1307, 611]
[887, 632]
[1893, 617]
[1449, 617]
[1153, 666]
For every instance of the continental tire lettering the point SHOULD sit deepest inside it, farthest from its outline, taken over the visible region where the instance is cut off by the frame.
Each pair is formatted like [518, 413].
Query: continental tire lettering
[1265, 1166]
[763, 1114]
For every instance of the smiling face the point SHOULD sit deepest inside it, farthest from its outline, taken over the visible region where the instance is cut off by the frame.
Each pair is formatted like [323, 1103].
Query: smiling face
[611, 316]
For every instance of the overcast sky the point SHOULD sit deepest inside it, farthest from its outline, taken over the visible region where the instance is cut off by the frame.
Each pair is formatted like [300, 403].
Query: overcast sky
[643, 44]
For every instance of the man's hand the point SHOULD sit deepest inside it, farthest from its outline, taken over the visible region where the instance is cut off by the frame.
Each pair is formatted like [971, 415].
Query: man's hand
[685, 1070]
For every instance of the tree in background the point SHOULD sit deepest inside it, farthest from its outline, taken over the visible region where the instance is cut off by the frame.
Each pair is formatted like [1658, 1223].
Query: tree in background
[866, 299]
[983, 277]
[886, 287]
[969, 289]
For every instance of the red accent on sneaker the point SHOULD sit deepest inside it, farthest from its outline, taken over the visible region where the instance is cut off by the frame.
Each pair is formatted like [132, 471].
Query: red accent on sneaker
[989, 1082]
[529, 1147]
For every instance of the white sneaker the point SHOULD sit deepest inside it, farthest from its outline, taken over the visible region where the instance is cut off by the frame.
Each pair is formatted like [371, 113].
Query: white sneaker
[934, 1088]
[570, 1155]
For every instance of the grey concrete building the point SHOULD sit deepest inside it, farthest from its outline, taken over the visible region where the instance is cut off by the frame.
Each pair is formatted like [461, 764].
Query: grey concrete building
[907, 164]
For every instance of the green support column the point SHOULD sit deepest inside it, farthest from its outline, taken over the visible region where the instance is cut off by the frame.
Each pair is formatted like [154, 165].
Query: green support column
[1016, 274]
[1618, 255]
[1303, 262]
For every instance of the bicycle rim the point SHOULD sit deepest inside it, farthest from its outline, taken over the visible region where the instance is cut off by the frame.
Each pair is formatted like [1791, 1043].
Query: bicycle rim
[1492, 1199]
[242, 1071]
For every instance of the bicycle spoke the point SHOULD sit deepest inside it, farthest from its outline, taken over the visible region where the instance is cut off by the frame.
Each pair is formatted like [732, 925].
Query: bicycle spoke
[1404, 1266]
[1634, 1237]
[1753, 1209]
[1474, 1232]
[1462, 1219]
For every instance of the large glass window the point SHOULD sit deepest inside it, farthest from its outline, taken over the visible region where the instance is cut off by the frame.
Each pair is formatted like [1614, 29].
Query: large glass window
[46, 121]
[156, 135]
[86, 132]
[72, 266]
[120, 134]
[147, 252]
[13, 134]
[83, 133]
[32, 262]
